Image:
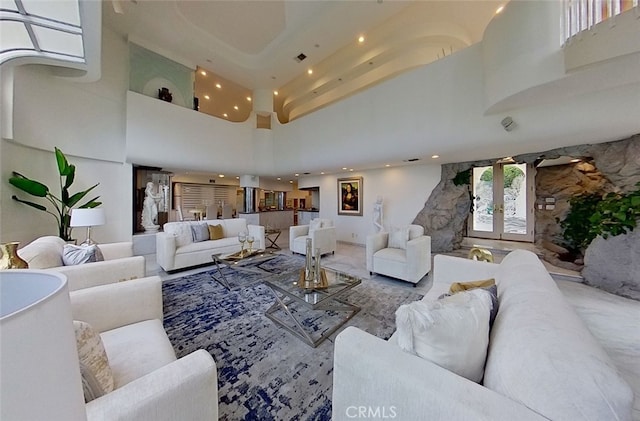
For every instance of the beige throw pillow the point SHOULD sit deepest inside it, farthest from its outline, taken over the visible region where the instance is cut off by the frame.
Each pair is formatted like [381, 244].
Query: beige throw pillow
[97, 377]
[216, 232]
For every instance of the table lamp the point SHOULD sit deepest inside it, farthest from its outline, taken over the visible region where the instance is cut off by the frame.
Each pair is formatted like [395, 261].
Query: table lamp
[40, 368]
[90, 217]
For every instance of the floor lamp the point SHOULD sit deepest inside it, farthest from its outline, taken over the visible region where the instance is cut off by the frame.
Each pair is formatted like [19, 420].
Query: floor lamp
[91, 217]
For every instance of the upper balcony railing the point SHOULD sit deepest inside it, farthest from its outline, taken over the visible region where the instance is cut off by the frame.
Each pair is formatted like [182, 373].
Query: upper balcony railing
[581, 15]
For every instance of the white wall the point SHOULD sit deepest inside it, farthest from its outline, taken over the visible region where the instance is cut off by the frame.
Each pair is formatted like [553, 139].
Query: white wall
[403, 189]
[87, 122]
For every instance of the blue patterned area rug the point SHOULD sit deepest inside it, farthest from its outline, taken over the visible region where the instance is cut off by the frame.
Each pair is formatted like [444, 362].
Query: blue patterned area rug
[264, 372]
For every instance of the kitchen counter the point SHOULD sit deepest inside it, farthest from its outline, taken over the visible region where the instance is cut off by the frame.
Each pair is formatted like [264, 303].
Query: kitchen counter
[279, 219]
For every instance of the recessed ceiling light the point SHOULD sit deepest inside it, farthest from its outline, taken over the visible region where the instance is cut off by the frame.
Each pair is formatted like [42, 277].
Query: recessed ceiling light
[310, 71]
[235, 107]
[207, 97]
[218, 86]
[221, 175]
[322, 173]
[435, 156]
[279, 178]
[249, 98]
[275, 93]
[350, 169]
[499, 9]
[361, 39]
[387, 165]
[344, 168]
[203, 73]
[237, 178]
[291, 181]
[296, 174]
[225, 115]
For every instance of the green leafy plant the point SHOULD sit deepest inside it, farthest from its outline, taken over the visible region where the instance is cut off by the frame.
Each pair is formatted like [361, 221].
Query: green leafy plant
[62, 205]
[510, 174]
[462, 178]
[592, 215]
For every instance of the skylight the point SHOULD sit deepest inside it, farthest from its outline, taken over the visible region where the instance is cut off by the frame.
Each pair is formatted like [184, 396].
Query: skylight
[36, 28]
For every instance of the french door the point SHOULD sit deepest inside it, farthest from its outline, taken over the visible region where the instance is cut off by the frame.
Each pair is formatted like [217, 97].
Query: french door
[503, 202]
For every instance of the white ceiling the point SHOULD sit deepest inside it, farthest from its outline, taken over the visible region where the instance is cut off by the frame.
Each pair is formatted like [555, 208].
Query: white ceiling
[254, 43]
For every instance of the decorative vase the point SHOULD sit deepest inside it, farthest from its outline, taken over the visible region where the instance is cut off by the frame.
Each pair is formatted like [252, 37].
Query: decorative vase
[10, 258]
[165, 95]
[308, 265]
[317, 270]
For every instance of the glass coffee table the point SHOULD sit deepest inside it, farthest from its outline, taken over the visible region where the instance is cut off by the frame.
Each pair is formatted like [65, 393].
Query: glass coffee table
[286, 289]
[247, 263]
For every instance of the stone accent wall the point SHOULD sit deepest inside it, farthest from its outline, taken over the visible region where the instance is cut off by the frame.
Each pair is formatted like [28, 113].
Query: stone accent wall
[612, 166]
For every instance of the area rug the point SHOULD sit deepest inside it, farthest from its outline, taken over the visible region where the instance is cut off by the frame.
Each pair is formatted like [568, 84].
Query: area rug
[264, 372]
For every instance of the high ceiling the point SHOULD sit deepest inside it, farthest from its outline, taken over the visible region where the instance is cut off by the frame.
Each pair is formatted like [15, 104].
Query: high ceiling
[256, 44]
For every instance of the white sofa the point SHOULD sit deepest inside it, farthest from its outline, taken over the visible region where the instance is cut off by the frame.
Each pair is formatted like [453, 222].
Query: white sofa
[410, 264]
[175, 248]
[323, 237]
[150, 383]
[542, 361]
[119, 262]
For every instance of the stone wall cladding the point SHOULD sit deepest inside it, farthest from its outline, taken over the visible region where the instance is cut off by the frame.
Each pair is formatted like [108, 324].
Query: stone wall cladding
[612, 166]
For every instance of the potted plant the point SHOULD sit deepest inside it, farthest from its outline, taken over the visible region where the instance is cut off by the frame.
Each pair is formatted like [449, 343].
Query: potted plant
[591, 215]
[62, 205]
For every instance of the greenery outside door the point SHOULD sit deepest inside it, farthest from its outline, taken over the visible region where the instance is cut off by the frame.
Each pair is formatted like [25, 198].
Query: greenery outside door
[503, 202]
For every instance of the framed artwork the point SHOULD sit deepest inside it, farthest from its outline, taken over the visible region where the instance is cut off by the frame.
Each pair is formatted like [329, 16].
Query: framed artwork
[350, 196]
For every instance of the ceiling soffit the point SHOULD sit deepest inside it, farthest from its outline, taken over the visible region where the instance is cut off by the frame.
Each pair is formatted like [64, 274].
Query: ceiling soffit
[386, 52]
[248, 26]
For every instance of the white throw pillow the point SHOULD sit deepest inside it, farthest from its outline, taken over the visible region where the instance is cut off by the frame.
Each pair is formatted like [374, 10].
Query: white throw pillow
[452, 332]
[77, 255]
[97, 377]
[315, 224]
[398, 237]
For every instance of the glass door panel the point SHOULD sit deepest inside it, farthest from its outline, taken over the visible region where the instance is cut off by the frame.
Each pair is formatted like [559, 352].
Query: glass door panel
[503, 202]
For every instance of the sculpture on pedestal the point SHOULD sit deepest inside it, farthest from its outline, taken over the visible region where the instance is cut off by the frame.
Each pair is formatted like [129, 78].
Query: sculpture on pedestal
[150, 208]
[377, 214]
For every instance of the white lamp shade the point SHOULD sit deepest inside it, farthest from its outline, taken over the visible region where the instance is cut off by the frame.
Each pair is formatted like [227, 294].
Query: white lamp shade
[40, 370]
[88, 217]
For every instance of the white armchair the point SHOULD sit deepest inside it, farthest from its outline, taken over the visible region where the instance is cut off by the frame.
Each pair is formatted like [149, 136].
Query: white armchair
[404, 254]
[150, 383]
[322, 233]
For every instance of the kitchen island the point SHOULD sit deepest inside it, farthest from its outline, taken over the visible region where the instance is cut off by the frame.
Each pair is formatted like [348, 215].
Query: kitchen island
[277, 219]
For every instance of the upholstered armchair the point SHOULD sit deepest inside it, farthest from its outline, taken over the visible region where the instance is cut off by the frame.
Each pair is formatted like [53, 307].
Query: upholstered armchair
[322, 233]
[403, 253]
[147, 381]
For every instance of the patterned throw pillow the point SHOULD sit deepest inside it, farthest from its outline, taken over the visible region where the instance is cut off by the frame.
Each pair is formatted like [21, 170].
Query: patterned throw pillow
[77, 255]
[97, 378]
[216, 232]
[398, 238]
[200, 232]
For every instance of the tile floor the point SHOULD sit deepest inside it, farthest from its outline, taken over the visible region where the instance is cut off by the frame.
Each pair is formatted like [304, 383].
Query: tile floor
[613, 320]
